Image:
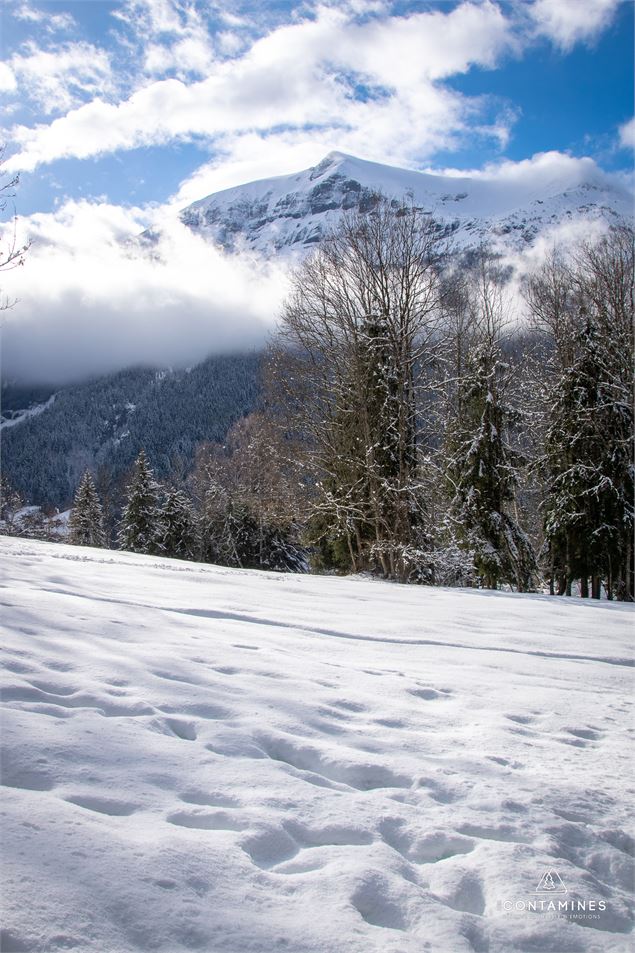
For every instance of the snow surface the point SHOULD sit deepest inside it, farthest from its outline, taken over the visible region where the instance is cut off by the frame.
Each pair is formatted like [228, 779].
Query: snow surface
[199, 758]
[288, 214]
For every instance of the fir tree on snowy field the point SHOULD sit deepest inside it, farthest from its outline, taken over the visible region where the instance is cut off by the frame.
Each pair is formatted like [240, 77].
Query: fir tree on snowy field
[177, 527]
[86, 521]
[483, 468]
[139, 524]
[585, 306]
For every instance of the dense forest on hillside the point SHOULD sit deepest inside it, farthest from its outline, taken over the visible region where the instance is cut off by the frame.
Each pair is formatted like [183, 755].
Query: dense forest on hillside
[102, 425]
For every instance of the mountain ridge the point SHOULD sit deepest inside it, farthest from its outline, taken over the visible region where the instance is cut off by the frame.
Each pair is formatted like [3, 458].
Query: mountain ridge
[290, 213]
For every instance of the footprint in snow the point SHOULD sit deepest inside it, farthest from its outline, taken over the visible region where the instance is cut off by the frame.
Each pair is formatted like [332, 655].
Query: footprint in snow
[103, 805]
[207, 821]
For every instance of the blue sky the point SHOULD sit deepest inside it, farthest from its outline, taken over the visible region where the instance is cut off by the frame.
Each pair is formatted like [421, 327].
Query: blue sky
[118, 114]
[146, 101]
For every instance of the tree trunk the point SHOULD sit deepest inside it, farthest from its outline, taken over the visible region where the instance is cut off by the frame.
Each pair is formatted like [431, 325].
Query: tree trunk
[584, 587]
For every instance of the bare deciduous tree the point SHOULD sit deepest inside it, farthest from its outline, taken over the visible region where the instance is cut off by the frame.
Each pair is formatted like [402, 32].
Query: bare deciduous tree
[358, 331]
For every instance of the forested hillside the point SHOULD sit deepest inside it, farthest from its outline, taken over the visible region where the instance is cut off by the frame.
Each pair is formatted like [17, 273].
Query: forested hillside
[102, 425]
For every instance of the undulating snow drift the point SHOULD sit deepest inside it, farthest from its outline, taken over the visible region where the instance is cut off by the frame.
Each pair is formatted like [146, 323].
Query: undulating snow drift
[199, 758]
[289, 213]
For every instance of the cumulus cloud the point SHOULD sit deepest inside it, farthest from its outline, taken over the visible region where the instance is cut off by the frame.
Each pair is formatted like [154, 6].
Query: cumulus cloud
[627, 134]
[567, 22]
[57, 78]
[91, 302]
[543, 173]
[369, 83]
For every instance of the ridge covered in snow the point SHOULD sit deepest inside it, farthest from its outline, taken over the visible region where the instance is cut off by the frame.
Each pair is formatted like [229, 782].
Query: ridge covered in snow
[290, 213]
[199, 758]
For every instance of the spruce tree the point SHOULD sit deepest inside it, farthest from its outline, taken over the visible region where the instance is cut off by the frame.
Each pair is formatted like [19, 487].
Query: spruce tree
[482, 473]
[139, 524]
[86, 521]
[589, 510]
[177, 534]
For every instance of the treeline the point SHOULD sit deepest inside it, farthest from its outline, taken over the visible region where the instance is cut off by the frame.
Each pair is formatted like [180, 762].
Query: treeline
[412, 428]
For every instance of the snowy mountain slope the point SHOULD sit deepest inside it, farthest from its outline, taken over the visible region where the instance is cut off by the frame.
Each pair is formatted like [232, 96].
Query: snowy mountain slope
[197, 758]
[290, 213]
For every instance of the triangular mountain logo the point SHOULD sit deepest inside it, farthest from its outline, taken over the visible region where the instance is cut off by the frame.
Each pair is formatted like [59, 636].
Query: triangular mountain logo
[551, 882]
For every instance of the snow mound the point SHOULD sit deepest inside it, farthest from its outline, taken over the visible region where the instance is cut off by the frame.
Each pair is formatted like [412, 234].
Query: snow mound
[198, 758]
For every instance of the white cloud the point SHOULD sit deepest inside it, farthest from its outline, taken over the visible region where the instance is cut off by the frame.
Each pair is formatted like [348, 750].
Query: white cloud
[90, 302]
[52, 22]
[627, 134]
[567, 22]
[542, 170]
[58, 77]
[7, 78]
[402, 60]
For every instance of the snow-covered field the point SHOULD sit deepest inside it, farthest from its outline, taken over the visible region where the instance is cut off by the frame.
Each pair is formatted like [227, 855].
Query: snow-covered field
[197, 758]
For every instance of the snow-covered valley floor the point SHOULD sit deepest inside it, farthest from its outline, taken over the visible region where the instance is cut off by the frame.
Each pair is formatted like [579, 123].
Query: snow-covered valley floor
[197, 758]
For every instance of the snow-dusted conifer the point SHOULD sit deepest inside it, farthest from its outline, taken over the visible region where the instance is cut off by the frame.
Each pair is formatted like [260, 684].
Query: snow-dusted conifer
[483, 474]
[483, 467]
[140, 517]
[85, 525]
[177, 533]
[589, 509]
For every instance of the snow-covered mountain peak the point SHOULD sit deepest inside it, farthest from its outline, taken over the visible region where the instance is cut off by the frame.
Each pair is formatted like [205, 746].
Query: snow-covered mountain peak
[289, 213]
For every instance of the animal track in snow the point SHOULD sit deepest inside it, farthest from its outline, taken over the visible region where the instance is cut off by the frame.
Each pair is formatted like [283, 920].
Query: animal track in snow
[206, 821]
[103, 805]
[209, 712]
[185, 730]
[363, 776]
[209, 800]
[505, 762]
[19, 668]
[27, 779]
[521, 719]
[391, 722]
[270, 847]
[10, 942]
[275, 847]
[427, 848]
[103, 705]
[503, 833]
[373, 902]
[464, 894]
[349, 706]
[588, 734]
[430, 694]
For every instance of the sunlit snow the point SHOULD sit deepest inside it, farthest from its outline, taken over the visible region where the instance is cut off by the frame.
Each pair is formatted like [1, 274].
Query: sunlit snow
[198, 758]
